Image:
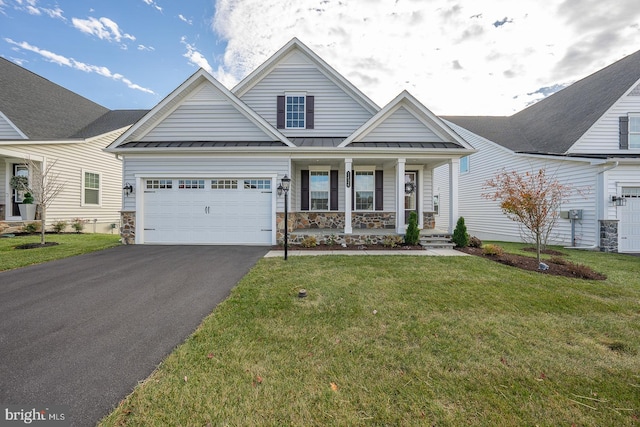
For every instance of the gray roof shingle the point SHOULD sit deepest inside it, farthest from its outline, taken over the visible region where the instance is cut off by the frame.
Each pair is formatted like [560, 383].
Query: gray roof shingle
[555, 123]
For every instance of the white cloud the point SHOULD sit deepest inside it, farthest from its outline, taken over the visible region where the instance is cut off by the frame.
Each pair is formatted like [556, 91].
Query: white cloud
[103, 28]
[183, 19]
[469, 57]
[72, 63]
[147, 48]
[154, 4]
[195, 57]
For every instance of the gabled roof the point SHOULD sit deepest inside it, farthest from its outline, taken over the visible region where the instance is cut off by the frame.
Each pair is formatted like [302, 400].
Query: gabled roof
[555, 123]
[438, 133]
[41, 109]
[294, 44]
[153, 117]
[112, 120]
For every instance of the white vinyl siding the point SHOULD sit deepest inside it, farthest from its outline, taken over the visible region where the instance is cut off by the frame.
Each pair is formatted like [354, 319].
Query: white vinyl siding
[72, 158]
[206, 116]
[335, 112]
[401, 126]
[603, 137]
[8, 130]
[485, 219]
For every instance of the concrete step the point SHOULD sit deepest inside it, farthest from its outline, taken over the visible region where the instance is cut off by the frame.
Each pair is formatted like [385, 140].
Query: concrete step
[439, 241]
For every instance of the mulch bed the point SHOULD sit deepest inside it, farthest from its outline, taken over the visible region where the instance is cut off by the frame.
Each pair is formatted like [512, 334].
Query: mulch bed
[557, 265]
[323, 247]
[36, 245]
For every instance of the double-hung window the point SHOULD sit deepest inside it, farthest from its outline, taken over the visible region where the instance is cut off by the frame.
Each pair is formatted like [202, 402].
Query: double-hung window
[634, 131]
[319, 186]
[464, 164]
[90, 188]
[365, 188]
[295, 110]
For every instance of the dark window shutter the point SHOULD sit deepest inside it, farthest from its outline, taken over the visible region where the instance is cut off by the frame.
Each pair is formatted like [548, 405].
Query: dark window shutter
[304, 190]
[280, 119]
[379, 191]
[624, 133]
[310, 111]
[333, 196]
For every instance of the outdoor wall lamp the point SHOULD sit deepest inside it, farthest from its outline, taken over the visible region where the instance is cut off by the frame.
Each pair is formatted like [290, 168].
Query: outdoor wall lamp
[618, 201]
[283, 188]
[127, 189]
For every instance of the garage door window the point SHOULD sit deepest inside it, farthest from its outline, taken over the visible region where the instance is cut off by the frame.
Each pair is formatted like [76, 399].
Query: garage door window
[224, 184]
[257, 184]
[159, 184]
[191, 183]
[631, 192]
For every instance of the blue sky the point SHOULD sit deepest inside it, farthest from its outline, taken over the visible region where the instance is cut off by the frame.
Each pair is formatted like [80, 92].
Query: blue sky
[459, 57]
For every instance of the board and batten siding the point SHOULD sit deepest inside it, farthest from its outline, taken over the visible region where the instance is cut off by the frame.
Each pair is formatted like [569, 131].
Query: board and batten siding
[201, 165]
[336, 112]
[72, 160]
[603, 136]
[402, 126]
[206, 116]
[485, 219]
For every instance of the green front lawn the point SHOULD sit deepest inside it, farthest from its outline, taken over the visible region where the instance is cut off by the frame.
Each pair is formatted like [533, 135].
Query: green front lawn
[69, 245]
[407, 341]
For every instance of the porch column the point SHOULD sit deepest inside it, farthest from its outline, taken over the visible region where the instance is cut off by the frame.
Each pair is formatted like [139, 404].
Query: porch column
[348, 183]
[454, 173]
[400, 169]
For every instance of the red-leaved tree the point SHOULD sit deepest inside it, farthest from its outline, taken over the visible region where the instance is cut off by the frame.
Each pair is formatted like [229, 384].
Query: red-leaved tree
[533, 199]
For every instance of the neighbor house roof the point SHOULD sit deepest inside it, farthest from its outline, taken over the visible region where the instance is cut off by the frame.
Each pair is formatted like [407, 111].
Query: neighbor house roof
[555, 123]
[112, 120]
[41, 109]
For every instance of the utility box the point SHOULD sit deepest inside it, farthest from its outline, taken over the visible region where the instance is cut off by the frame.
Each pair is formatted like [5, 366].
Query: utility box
[571, 214]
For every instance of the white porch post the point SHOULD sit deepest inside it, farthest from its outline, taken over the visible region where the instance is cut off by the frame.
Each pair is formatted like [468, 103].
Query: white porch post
[454, 173]
[400, 169]
[348, 183]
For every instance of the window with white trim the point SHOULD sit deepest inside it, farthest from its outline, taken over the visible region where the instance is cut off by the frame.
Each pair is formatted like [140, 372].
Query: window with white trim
[436, 204]
[634, 131]
[464, 164]
[90, 188]
[319, 190]
[631, 192]
[159, 184]
[295, 111]
[224, 184]
[192, 184]
[365, 188]
[257, 184]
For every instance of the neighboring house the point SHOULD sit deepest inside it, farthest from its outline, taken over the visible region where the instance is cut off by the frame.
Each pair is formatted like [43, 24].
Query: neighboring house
[43, 122]
[586, 135]
[205, 163]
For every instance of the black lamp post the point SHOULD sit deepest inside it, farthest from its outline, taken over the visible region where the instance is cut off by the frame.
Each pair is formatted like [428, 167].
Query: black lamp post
[283, 188]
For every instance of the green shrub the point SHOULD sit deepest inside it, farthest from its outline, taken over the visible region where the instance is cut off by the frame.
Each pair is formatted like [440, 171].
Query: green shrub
[492, 250]
[460, 236]
[391, 241]
[27, 199]
[309, 242]
[331, 240]
[78, 224]
[59, 226]
[412, 235]
[474, 242]
[32, 227]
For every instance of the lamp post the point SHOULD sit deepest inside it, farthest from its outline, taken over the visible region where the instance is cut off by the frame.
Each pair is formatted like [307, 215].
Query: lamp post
[283, 188]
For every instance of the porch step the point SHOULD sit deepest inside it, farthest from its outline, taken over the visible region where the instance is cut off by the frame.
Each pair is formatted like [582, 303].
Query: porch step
[437, 241]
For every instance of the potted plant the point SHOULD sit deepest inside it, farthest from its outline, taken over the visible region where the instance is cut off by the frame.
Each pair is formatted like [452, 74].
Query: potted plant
[27, 208]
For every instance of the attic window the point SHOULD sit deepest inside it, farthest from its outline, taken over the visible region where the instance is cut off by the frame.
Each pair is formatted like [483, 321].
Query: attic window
[295, 111]
[634, 131]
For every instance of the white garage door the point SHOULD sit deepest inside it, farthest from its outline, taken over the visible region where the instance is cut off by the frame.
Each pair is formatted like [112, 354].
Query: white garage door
[630, 220]
[207, 211]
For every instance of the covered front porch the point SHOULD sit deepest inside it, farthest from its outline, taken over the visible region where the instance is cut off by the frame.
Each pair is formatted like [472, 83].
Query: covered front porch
[13, 164]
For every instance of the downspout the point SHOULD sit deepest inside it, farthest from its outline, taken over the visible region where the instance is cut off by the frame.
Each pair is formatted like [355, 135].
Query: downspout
[595, 246]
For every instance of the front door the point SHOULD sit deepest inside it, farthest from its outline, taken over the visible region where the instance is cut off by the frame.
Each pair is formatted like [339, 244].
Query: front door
[410, 194]
[16, 196]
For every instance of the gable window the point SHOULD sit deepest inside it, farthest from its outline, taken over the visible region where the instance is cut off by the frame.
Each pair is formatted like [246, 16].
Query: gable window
[365, 190]
[295, 111]
[464, 164]
[319, 194]
[634, 131]
[90, 188]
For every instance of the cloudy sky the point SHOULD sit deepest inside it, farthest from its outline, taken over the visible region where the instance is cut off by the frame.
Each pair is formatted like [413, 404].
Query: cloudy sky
[459, 57]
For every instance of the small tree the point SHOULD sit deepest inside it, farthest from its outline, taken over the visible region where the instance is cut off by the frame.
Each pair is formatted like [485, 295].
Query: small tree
[44, 185]
[460, 236]
[533, 199]
[412, 235]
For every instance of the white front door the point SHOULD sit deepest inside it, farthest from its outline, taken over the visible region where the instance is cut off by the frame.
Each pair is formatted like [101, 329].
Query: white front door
[207, 211]
[629, 232]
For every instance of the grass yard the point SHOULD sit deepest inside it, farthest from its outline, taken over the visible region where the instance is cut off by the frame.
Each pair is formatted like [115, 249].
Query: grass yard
[407, 341]
[69, 245]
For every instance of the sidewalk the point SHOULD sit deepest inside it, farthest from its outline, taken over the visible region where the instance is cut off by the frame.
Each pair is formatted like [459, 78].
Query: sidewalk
[427, 252]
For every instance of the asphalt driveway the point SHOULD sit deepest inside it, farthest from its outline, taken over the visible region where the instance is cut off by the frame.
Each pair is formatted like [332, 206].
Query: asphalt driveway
[83, 331]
